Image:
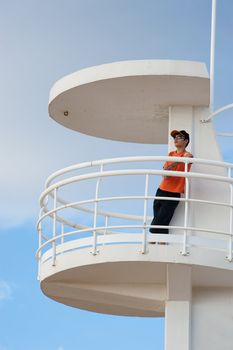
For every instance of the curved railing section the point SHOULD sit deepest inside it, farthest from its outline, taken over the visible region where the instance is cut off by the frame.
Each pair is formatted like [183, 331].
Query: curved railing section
[108, 202]
[216, 113]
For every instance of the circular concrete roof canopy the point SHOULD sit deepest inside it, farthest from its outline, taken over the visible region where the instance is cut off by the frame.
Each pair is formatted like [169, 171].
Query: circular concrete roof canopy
[129, 100]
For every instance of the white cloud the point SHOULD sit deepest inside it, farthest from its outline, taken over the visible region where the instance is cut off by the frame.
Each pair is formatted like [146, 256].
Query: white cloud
[5, 292]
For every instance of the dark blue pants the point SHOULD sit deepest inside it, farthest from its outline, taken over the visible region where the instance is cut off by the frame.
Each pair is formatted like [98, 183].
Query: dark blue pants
[163, 210]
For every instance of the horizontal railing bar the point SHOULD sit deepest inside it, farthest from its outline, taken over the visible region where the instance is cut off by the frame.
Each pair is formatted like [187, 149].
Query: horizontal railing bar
[132, 172]
[104, 213]
[59, 219]
[127, 227]
[225, 134]
[134, 159]
[75, 205]
[128, 238]
[87, 241]
[220, 110]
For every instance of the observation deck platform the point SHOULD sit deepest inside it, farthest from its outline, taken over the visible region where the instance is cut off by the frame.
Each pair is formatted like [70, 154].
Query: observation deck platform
[95, 250]
[128, 100]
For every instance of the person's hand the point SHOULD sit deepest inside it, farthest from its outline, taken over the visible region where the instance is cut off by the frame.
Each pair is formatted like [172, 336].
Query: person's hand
[188, 155]
[172, 166]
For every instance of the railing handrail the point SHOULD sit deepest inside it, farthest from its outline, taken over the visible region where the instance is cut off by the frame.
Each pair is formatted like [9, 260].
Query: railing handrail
[134, 159]
[101, 228]
[101, 163]
[120, 215]
[218, 111]
[59, 204]
[89, 176]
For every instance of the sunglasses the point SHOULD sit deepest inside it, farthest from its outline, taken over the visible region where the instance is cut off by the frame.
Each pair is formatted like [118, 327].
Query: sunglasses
[178, 137]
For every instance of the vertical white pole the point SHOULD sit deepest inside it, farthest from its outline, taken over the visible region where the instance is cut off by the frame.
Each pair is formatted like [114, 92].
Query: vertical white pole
[186, 207]
[145, 215]
[54, 226]
[94, 252]
[212, 54]
[231, 218]
[62, 233]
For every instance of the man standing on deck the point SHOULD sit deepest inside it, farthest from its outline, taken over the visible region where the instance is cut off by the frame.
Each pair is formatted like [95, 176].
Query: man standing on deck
[171, 186]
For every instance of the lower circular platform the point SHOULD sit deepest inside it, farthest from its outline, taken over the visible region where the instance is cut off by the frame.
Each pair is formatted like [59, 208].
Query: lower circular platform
[112, 288]
[120, 280]
[128, 101]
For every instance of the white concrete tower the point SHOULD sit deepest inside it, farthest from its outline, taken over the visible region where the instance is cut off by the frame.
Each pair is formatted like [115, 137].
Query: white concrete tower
[94, 221]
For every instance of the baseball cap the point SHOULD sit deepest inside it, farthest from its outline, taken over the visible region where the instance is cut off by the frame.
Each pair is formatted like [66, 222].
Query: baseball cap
[180, 132]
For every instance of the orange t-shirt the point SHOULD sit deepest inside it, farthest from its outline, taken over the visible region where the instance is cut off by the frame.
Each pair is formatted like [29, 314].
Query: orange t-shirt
[174, 183]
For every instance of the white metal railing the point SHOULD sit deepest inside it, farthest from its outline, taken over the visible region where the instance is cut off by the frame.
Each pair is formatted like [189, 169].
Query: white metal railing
[216, 113]
[93, 233]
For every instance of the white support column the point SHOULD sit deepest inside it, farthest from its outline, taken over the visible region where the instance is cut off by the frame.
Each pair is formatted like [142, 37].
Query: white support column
[178, 308]
[180, 118]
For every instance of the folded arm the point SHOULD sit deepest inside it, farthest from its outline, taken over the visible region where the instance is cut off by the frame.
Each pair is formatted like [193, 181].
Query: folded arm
[174, 164]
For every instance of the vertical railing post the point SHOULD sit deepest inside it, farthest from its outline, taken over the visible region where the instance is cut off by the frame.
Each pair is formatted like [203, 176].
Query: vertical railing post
[62, 235]
[105, 231]
[39, 245]
[229, 257]
[54, 225]
[94, 250]
[144, 244]
[186, 212]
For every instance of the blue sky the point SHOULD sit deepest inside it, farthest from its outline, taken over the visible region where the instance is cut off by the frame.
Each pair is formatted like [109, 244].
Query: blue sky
[41, 41]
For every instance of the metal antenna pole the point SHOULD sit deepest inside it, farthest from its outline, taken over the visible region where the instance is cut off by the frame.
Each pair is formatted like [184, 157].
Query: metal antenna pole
[212, 54]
